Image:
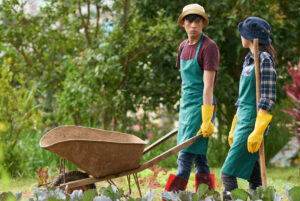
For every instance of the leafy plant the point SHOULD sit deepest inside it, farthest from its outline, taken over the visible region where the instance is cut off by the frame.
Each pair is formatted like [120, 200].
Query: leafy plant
[262, 194]
[203, 193]
[293, 193]
[111, 193]
[265, 194]
[240, 194]
[8, 196]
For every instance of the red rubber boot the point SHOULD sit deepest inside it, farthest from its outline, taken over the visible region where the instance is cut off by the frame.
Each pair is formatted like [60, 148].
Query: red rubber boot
[208, 179]
[175, 183]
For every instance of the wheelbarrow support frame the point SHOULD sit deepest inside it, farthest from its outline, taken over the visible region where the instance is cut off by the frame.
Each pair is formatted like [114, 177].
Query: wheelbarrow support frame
[142, 167]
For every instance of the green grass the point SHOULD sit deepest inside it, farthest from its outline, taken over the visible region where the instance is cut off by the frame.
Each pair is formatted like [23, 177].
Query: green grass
[276, 177]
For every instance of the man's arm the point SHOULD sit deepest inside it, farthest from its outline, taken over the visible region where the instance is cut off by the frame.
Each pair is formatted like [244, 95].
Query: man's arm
[207, 109]
[209, 80]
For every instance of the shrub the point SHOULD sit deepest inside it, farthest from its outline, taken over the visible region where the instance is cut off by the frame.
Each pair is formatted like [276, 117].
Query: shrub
[293, 91]
[19, 115]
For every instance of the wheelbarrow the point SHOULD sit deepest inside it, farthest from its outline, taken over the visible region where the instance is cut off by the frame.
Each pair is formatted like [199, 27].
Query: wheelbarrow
[102, 155]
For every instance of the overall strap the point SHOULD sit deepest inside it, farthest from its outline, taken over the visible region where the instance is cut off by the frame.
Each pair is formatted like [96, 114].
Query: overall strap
[199, 45]
[183, 48]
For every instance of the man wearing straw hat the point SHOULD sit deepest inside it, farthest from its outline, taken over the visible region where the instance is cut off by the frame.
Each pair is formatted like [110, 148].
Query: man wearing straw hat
[198, 60]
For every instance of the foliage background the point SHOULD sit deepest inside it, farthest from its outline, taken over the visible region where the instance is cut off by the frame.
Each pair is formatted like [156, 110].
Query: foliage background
[97, 64]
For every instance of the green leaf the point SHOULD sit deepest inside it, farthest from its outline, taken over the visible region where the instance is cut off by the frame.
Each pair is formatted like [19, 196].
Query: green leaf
[215, 194]
[239, 194]
[294, 193]
[54, 199]
[253, 194]
[18, 195]
[90, 194]
[112, 192]
[7, 196]
[202, 189]
[268, 194]
[185, 196]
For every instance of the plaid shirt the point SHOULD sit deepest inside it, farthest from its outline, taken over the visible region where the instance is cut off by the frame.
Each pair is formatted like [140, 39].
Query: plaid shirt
[268, 79]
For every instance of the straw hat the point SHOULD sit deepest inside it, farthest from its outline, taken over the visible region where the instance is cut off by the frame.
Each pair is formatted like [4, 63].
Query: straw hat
[193, 9]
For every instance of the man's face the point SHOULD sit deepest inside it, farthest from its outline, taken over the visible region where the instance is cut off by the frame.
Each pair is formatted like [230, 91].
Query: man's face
[194, 28]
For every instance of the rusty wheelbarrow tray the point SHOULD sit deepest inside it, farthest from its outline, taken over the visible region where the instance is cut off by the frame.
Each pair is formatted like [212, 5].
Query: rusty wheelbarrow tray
[104, 154]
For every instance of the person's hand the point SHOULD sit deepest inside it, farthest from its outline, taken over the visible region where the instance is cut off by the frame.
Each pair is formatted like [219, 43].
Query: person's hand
[256, 137]
[207, 128]
[230, 137]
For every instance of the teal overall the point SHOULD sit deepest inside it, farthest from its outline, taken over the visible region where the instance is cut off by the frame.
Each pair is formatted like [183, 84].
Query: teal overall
[239, 161]
[190, 117]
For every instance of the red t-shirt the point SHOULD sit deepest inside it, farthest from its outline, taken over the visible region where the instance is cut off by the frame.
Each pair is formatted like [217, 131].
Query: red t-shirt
[208, 56]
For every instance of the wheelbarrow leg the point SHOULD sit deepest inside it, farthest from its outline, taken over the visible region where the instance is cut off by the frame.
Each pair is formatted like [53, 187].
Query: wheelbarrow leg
[129, 186]
[112, 183]
[64, 170]
[137, 183]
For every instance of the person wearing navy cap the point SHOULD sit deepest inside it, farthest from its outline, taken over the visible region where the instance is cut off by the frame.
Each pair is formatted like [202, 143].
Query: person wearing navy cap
[248, 126]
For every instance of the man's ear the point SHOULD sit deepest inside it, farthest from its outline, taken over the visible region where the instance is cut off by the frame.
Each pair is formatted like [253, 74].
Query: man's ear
[183, 24]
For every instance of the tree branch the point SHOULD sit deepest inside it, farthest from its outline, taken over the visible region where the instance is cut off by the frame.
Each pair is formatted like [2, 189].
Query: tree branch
[39, 55]
[21, 51]
[104, 112]
[125, 15]
[136, 56]
[127, 61]
[89, 12]
[122, 83]
[97, 20]
[85, 25]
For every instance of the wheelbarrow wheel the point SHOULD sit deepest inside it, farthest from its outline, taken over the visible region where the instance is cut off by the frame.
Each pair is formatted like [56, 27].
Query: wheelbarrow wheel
[73, 176]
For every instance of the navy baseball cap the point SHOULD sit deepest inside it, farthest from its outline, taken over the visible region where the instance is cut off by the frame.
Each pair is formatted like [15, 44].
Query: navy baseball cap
[255, 27]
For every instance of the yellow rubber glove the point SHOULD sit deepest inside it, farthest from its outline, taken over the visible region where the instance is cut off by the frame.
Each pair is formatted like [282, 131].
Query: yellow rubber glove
[207, 128]
[256, 137]
[230, 137]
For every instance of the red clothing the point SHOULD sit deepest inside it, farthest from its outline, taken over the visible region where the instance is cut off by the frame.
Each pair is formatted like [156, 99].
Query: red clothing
[208, 56]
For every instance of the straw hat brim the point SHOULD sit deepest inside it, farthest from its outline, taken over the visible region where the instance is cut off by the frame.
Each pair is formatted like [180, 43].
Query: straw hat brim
[193, 11]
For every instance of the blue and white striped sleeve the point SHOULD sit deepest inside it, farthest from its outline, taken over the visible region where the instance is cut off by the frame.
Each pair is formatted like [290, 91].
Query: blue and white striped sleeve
[268, 79]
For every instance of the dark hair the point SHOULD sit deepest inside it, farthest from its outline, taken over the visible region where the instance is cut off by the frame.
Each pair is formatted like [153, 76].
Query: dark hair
[193, 17]
[270, 49]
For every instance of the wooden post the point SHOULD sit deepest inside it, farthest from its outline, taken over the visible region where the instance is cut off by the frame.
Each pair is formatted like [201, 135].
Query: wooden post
[261, 149]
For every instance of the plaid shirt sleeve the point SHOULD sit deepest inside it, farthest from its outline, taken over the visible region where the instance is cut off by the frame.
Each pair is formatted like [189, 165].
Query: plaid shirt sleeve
[268, 79]
[237, 103]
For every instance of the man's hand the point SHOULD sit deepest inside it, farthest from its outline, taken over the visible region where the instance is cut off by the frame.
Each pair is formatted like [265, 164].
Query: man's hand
[207, 128]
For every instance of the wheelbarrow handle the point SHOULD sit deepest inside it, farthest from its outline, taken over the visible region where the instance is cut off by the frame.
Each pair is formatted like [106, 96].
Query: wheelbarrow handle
[159, 141]
[170, 152]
